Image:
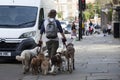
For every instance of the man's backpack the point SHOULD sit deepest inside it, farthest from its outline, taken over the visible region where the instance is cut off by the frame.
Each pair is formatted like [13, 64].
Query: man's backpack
[51, 29]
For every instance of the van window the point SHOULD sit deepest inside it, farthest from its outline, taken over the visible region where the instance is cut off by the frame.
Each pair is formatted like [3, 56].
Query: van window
[17, 16]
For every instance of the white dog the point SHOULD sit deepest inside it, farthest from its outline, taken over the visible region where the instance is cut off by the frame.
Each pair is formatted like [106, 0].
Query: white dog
[26, 57]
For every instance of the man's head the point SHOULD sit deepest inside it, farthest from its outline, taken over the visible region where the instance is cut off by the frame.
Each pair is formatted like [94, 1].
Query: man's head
[52, 13]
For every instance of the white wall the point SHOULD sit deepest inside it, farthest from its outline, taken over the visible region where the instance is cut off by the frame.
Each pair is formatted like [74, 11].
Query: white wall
[48, 5]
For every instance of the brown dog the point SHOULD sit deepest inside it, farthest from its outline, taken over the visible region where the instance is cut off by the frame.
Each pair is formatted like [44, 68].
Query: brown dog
[40, 58]
[34, 65]
[56, 63]
[69, 54]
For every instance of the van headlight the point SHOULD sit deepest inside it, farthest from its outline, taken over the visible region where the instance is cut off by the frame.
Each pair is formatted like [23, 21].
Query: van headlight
[28, 34]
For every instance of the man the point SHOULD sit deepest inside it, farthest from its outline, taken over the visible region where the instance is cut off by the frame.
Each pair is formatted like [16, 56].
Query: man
[52, 43]
[109, 28]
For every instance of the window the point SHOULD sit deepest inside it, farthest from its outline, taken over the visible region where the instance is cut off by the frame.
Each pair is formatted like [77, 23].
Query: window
[17, 16]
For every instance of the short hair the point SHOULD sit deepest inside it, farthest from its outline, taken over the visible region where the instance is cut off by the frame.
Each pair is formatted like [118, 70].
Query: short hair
[52, 13]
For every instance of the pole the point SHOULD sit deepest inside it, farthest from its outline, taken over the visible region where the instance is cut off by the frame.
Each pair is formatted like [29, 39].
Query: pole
[80, 19]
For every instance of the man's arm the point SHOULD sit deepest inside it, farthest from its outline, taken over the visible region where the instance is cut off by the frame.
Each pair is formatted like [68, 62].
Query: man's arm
[63, 35]
[42, 30]
[60, 29]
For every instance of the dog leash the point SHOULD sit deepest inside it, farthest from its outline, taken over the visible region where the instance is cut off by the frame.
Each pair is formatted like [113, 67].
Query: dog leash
[64, 44]
[39, 50]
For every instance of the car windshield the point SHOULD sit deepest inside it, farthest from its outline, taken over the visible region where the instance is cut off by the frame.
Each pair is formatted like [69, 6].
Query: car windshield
[63, 23]
[17, 16]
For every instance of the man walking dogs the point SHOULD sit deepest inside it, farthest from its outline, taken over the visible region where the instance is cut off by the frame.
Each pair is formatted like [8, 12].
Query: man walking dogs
[50, 28]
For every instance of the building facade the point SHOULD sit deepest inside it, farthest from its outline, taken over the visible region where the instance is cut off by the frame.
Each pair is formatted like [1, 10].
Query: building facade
[67, 8]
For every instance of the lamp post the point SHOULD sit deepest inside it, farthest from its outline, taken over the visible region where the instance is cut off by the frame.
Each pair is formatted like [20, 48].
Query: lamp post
[80, 19]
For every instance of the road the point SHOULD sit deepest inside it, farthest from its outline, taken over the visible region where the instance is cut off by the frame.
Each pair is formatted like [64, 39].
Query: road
[96, 58]
[10, 71]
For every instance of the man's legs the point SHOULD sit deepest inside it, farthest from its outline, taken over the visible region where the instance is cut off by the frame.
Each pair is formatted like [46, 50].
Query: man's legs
[55, 45]
[48, 45]
[52, 47]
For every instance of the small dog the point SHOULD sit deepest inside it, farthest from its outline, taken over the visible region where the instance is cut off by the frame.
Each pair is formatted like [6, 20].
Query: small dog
[34, 65]
[26, 57]
[56, 63]
[64, 61]
[45, 65]
[40, 58]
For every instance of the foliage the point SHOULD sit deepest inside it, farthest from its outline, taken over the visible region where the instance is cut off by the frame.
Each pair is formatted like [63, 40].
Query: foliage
[110, 15]
[59, 14]
[91, 10]
[86, 15]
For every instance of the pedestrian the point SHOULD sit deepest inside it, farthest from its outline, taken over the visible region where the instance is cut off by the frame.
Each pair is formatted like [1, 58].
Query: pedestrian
[109, 28]
[104, 30]
[91, 27]
[73, 30]
[83, 28]
[86, 28]
[90, 24]
[50, 28]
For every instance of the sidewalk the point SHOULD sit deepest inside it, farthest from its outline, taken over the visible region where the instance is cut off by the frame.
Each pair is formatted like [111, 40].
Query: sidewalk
[96, 58]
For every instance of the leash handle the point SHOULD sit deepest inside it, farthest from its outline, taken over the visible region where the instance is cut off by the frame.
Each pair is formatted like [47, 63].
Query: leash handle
[40, 46]
[64, 44]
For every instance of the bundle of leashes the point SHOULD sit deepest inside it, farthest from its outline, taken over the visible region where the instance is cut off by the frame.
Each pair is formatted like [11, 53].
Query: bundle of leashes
[40, 45]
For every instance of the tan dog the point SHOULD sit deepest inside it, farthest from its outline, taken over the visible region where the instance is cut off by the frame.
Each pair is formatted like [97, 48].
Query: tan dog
[45, 66]
[40, 58]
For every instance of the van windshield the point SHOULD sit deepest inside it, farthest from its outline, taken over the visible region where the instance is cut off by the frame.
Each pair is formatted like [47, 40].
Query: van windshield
[17, 16]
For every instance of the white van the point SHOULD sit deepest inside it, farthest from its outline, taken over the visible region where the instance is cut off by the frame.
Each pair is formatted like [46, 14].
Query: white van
[19, 25]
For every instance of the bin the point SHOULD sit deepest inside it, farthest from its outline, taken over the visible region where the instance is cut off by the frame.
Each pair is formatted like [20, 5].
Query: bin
[116, 29]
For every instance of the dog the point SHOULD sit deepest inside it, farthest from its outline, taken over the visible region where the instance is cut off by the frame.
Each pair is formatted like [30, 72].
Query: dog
[56, 63]
[69, 54]
[26, 57]
[40, 58]
[45, 65]
[64, 62]
[36, 63]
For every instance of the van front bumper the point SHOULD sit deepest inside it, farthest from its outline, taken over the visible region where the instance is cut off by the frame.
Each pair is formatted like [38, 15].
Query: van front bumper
[9, 49]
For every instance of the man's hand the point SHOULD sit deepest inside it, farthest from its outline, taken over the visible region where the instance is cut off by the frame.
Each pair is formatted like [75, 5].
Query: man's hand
[64, 40]
[40, 43]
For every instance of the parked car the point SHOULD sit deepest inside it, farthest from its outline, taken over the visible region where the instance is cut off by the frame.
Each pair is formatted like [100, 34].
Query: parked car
[67, 29]
[97, 28]
[63, 24]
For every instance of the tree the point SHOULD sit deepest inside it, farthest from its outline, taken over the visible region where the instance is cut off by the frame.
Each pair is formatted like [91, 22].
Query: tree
[89, 12]
[115, 2]
[59, 14]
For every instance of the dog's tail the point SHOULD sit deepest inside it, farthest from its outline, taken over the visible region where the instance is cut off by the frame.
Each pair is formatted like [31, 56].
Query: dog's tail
[19, 58]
